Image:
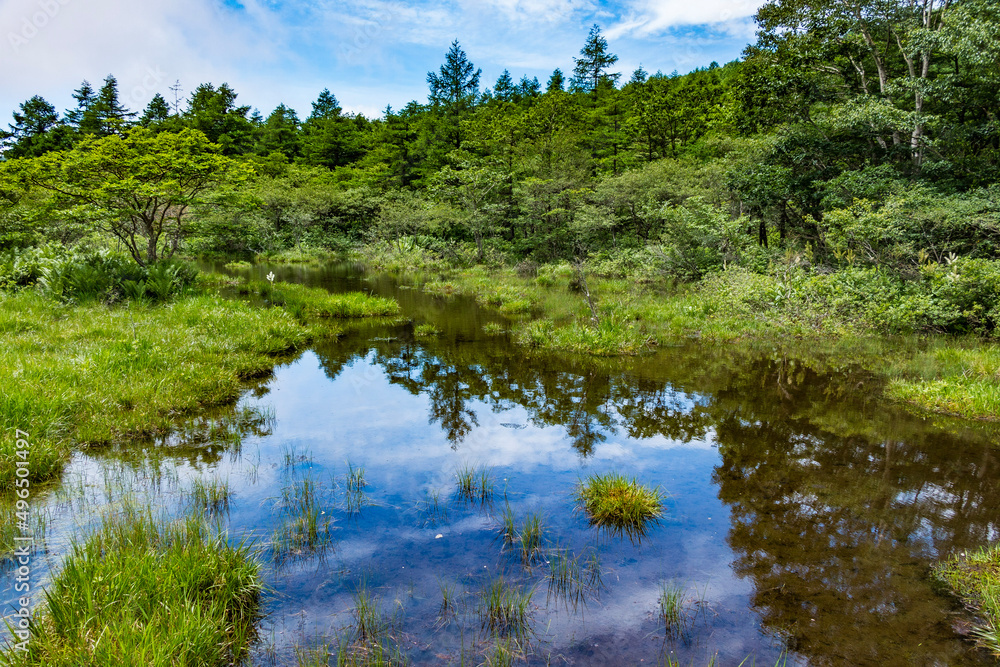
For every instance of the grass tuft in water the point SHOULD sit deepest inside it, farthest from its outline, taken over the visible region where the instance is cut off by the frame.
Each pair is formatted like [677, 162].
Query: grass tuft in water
[530, 539]
[475, 483]
[505, 609]
[210, 496]
[306, 527]
[148, 591]
[975, 578]
[620, 504]
[671, 602]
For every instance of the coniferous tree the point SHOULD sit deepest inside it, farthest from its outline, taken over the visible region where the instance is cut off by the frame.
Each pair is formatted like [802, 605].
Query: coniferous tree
[556, 82]
[214, 112]
[457, 80]
[330, 138]
[109, 115]
[280, 133]
[504, 88]
[84, 96]
[591, 68]
[157, 112]
[529, 88]
[36, 130]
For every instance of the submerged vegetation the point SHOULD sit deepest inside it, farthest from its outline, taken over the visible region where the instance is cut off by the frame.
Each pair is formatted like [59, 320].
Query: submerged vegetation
[149, 591]
[619, 504]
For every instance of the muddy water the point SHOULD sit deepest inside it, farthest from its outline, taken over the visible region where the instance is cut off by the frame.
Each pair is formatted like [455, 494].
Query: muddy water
[803, 512]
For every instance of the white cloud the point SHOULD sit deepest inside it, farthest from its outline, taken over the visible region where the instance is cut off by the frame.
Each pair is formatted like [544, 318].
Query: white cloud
[650, 17]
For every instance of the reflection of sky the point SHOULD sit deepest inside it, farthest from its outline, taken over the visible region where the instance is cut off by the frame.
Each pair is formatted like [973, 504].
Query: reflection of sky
[362, 418]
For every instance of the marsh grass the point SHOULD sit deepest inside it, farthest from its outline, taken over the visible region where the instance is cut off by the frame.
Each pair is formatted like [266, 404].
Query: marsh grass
[426, 331]
[975, 579]
[475, 483]
[671, 602]
[305, 527]
[432, 510]
[505, 610]
[144, 590]
[316, 302]
[572, 581]
[371, 642]
[619, 504]
[508, 529]
[210, 496]
[92, 375]
[530, 539]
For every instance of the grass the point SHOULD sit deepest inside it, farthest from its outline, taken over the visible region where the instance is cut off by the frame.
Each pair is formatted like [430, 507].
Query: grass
[306, 527]
[371, 643]
[78, 375]
[505, 610]
[210, 496]
[475, 483]
[148, 591]
[975, 578]
[671, 602]
[494, 329]
[530, 539]
[619, 504]
[426, 331]
[315, 302]
[239, 265]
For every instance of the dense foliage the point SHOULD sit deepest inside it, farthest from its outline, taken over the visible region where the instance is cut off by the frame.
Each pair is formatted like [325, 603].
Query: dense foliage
[856, 138]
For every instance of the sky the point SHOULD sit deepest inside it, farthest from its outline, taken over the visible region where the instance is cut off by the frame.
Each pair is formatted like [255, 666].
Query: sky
[368, 53]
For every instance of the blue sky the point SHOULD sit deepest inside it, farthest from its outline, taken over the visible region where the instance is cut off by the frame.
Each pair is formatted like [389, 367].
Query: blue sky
[369, 53]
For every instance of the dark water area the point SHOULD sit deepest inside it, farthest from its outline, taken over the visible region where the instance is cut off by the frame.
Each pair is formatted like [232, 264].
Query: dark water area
[802, 519]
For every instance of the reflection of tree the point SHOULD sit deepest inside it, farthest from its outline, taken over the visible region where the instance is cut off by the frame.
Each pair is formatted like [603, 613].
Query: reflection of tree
[835, 530]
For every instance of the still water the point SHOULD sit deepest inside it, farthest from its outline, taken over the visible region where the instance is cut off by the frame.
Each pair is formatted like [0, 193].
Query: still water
[802, 515]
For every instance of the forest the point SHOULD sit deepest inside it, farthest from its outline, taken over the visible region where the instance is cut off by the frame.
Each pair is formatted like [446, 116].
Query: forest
[853, 151]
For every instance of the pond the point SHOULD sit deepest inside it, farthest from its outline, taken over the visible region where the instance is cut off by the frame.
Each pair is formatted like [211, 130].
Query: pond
[801, 518]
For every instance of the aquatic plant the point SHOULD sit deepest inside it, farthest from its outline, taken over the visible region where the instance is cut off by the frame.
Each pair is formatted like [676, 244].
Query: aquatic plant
[671, 602]
[505, 609]
[620, 504]
[530, 539]
[426, 330]
[210, 496]
[475, 483]
[145, 590]
[494, 329]
[305, 526]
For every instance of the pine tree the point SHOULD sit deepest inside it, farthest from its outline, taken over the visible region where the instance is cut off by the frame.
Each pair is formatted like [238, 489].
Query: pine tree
[280, 133]
[456, 80]
[592, 67]
[108, 114]
[528, 88]
[36, 130]
[157, 112]
[556, 82]
[504, 89]
[639, 76]
[325, 106]
[84, 96]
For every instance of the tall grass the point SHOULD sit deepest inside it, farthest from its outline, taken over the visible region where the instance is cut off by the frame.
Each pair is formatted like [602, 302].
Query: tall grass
[143, 590]
[671, 602]
[318, 302]
[74, 374]
[530, 539]
[210, 496]
[619, 504]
